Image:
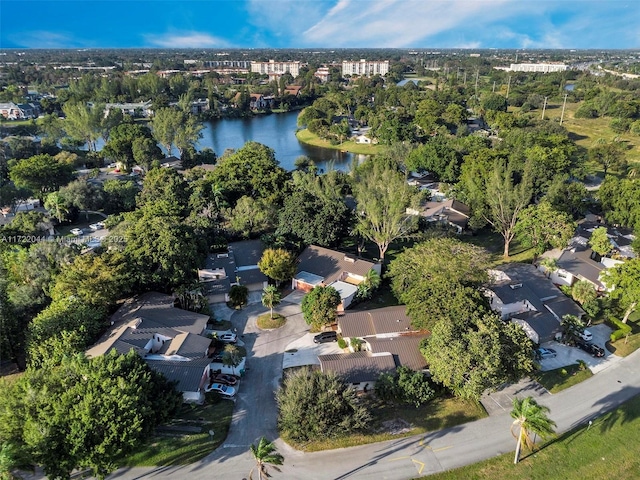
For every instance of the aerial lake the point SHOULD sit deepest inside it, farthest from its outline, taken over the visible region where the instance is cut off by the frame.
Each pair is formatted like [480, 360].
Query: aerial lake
[277, 131]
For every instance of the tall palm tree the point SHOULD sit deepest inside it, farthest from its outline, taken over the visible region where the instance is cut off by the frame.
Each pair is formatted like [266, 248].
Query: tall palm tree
[265, 454]
[530, 418]
[270, 297]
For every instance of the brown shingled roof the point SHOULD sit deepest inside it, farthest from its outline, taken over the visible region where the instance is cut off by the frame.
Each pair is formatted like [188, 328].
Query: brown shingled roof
[357, 367]
[375, 322]
[404, 348]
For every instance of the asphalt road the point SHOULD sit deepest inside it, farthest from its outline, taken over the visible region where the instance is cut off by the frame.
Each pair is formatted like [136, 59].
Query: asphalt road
[398, 459]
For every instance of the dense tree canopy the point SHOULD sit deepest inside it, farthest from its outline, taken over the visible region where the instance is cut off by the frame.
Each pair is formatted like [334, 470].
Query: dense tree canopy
[542, 227]
[313, 405]
[41, 174]
[84, 413]
[439, 279]
[471, 354]
[319, 306]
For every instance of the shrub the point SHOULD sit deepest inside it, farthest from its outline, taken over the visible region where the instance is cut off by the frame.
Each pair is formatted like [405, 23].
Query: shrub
[405, 386]
[621, 329]
[356, 344]
[342, 343]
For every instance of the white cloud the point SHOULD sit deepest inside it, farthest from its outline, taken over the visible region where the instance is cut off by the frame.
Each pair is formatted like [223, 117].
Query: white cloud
[185, 40]
[44, 39]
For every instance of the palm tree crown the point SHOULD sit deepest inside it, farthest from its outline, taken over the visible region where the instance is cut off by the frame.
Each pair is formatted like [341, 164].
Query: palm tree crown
[531, 418]
[270, 297]
[265, 454]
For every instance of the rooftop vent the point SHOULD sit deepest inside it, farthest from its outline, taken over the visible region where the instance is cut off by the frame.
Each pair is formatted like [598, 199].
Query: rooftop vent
[515, 286]
[349, 259]
[137, 323]
[223, 255]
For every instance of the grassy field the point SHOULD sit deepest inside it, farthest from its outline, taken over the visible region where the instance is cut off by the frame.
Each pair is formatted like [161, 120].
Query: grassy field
[561, 378]
[305, 136]
[180, 448]
[606, 450]
[440, 413]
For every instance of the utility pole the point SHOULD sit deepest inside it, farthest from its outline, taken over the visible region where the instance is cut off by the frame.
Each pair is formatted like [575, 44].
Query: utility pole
[465, 78]
[477, 74]
[564, 104]
[494, 87]
[544, 107]
[508, 86]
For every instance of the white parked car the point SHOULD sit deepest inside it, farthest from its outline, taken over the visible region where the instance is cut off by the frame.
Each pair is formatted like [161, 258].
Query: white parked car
[225, 390]
[228, 337]
[586, 335]
[96, 226]
[77, 231]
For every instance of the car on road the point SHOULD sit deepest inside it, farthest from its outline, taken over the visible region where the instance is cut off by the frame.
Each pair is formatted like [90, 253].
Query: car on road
[228, 337]
[77, 231]
[225, 390]
[224, 379]
[590, 348]
[325, 337]
[542, 353]
[96, 226]
[586, 335]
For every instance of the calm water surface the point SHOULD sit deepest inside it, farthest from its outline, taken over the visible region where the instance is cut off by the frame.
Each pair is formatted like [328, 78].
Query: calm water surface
[276, 131]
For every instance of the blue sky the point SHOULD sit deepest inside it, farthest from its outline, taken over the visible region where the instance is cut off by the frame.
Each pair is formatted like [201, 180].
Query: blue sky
[224, 24]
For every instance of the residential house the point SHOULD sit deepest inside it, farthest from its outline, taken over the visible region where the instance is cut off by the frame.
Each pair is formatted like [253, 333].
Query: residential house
[323, 266]
[171, 340]
[19, 111]
[322, 73]
[139, 109]
[521, 293]
[388, 341]
[293, 90]
[579, 262]
[237, 266]
[448, 212]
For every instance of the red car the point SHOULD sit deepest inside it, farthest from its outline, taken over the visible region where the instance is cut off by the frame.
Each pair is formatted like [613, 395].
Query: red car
[224, 378]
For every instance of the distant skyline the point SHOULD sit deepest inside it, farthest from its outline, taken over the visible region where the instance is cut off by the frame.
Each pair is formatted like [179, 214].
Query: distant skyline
[222, 24]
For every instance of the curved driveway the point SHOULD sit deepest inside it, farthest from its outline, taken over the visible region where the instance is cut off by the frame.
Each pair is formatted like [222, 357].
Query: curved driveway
[255, 415]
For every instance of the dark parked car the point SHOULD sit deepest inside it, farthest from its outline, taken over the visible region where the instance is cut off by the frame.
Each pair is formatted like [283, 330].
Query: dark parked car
[325, 337]
[590, 348]
[224, 378]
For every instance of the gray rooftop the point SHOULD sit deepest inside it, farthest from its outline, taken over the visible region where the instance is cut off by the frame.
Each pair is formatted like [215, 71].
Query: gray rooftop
[375, 322]
[359, 366]
[578, 262]
[190, 376]
[331, 264]
[404, 348]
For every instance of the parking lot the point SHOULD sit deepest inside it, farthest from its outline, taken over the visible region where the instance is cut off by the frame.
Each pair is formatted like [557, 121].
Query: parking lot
[566, 355]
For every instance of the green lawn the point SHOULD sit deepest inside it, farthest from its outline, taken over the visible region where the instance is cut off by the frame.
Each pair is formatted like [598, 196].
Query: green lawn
[440, 413]
[265, 322]
[181, 448]
[606, 450]
[557, 380]
[305, 136]
[626, 346]
[494, 244]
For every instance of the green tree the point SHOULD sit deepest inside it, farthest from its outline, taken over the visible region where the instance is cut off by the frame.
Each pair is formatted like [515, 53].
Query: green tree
[319, 306]
[83, 195]
[119, 196]
[57, 205]
[167, 187]
[625, 281]
[477, 352]
[599, 241]
[94, 279]
[238, 295]
[164, 126]
[439, 280]
[251, 217]
[405, 386]
[572, 327]
[313, 405]
[86, 413]
[583, 292]
[609, 156]
[12, 458]
[383, 196]
[505, 201]
[265, 455]
[271, 297]
[83, 123]
[129, 144]
[231, 356]
[41, 174]
[529, 418]
[542, 227]
[278, 264]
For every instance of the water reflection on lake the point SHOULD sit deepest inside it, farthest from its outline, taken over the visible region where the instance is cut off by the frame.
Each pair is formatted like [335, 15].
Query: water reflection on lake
[276, 131]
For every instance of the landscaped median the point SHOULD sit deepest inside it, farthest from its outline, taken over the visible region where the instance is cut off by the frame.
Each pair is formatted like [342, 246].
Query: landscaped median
[305, 136]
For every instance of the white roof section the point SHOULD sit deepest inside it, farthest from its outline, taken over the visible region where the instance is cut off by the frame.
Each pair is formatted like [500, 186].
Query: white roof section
[344, 289]
[309, 278]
